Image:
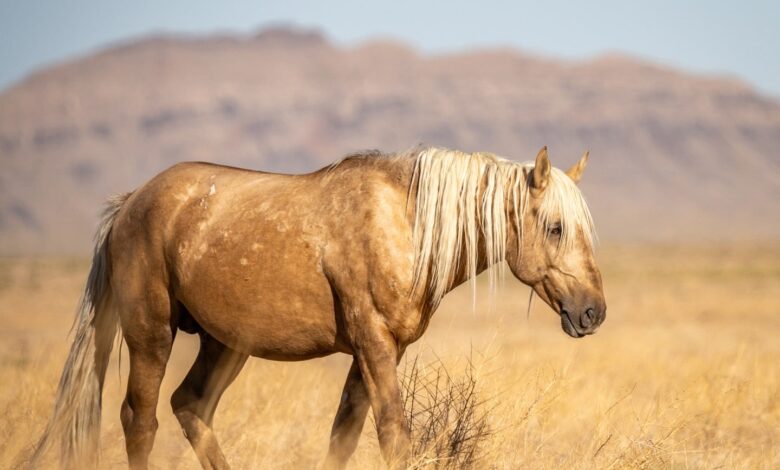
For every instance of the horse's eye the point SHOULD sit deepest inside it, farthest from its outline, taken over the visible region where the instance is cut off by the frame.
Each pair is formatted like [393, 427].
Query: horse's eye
[555, 230]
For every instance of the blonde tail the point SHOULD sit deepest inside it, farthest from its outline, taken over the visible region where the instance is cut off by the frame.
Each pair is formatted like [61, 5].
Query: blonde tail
[74, 426]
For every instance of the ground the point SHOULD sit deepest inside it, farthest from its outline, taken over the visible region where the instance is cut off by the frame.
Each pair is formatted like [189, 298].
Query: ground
[684, 373]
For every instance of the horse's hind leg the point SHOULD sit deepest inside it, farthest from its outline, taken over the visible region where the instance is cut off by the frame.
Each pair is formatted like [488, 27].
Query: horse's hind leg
[195, 401]
[349, 420]
[146, 326]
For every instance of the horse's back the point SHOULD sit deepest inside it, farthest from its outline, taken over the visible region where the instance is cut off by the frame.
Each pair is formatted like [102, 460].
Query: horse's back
[247, 252]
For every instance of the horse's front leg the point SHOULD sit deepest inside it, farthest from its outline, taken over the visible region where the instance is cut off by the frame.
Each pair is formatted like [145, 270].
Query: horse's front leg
[349, 420]
[377, 353]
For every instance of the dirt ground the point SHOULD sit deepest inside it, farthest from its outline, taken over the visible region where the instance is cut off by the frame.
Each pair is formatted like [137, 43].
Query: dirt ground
[685, 372]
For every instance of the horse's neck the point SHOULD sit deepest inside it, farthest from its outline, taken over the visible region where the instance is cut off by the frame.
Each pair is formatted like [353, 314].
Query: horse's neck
[464, 268]
[462, 275]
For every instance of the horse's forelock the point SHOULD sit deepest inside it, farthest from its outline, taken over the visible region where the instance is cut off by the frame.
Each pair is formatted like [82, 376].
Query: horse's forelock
[563, 201]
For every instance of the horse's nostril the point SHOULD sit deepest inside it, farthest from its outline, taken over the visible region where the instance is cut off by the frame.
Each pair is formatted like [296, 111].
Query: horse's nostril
[587, 318]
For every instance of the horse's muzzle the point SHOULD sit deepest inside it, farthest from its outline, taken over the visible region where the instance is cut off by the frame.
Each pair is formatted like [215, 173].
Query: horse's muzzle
[586, 323]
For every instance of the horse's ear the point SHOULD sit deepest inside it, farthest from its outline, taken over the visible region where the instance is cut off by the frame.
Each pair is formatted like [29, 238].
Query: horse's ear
[575, 172]
[541, 170]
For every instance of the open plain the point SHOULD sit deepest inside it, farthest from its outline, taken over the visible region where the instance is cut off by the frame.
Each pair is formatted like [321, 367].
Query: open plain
[684, 373]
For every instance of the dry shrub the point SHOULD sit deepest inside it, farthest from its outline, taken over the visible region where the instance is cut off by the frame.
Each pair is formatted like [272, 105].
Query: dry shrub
[447, 419]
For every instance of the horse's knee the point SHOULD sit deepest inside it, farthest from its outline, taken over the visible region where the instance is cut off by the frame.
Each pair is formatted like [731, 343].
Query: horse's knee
[134, 422]
[391, 416]
[136, 425]
[394, 439]
[392, 428]
[184, 404]
[191, 424]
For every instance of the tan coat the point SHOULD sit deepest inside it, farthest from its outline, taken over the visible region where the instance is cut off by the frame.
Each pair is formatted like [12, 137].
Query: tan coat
[352, 258]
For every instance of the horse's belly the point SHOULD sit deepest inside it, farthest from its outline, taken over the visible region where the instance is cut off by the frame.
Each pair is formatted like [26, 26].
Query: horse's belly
[268, 307]
[298, 326]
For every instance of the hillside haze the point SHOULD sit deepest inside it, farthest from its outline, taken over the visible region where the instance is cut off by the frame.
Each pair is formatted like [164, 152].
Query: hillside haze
[674, 156]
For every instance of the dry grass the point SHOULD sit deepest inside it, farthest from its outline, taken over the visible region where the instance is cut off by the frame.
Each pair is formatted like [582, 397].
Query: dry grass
[447, 419]
[685, 372]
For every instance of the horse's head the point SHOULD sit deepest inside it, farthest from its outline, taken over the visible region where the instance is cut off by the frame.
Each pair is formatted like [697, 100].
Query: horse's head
[554, 252]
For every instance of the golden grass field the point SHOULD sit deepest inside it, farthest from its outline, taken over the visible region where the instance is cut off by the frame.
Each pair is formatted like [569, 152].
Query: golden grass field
[684, 373]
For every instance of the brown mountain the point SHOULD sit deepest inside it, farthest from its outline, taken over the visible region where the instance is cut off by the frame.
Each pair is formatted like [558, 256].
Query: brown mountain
[674, 156]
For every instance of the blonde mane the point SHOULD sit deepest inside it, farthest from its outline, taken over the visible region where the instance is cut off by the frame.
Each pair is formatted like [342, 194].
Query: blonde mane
[462, 196]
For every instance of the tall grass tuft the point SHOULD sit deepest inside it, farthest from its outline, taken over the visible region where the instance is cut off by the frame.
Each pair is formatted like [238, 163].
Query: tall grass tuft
[447, 419]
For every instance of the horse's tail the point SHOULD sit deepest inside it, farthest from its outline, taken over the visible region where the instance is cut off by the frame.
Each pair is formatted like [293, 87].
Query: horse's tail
[74, 426]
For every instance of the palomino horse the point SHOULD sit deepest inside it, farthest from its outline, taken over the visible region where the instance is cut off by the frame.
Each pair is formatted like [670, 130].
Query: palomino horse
[353, 258]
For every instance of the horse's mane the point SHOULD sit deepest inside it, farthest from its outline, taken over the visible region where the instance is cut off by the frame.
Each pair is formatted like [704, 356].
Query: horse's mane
[460, 196]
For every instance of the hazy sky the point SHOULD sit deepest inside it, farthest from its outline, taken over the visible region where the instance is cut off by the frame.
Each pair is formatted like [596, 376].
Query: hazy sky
[726, 37]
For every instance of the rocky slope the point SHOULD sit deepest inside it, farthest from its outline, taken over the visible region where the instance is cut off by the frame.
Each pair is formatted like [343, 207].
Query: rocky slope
[674, 156]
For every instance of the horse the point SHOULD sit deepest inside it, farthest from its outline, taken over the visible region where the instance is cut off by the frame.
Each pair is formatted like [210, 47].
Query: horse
[353, 258]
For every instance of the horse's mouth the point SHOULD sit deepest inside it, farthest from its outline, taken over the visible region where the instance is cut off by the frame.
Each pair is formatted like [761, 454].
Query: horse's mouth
[568, 326]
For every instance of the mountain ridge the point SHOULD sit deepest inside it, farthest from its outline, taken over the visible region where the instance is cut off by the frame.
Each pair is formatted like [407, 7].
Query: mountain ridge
[673, 154]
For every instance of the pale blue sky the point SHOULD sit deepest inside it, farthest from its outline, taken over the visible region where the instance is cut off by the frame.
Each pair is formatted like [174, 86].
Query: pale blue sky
[738, 38]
